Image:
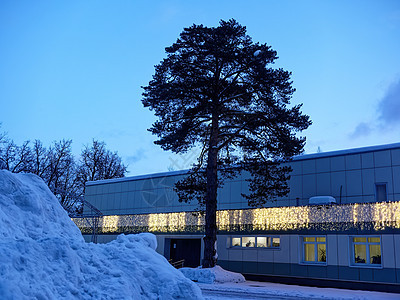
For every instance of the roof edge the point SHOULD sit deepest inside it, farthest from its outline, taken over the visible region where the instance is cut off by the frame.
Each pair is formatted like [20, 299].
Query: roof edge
[296, 158]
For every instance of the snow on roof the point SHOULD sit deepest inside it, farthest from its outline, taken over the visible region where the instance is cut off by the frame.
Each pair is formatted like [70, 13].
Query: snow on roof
[44, 256]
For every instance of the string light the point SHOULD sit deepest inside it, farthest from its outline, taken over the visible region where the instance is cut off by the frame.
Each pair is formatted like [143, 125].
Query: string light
[372, 216]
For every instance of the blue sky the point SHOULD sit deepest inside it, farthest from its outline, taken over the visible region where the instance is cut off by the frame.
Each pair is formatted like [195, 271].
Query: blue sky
[74, 69]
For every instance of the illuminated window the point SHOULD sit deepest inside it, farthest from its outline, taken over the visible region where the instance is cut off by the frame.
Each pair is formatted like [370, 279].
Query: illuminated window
[258, 242]
[262, 242]
[276, 242]
[248, 241]
[314, 249]
[366, 251]
[236, 242]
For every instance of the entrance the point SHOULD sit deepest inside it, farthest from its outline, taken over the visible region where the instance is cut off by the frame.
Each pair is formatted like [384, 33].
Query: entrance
[187, 249]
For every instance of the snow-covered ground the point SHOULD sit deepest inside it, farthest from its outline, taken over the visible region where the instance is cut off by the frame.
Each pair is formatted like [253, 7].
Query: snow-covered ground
[268, 290]
[217, 283]
[43, 254]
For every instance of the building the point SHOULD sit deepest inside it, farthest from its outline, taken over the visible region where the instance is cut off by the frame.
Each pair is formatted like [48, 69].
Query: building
[339, 225]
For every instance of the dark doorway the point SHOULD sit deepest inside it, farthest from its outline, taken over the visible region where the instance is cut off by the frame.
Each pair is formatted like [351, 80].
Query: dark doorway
[187, 249]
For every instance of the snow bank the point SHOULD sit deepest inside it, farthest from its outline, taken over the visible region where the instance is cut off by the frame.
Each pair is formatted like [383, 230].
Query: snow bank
[43, 254]
[212, 275]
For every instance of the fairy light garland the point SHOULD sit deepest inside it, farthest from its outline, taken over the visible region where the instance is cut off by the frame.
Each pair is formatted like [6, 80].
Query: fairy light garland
[378, 216]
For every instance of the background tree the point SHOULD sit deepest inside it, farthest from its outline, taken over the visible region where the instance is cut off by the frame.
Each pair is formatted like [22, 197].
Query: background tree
[98, 163]
[58, 167]
[16, 158]
[217, 90]
[60, 175]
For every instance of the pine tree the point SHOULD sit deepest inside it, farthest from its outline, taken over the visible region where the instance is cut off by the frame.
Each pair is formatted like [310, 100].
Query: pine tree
[216, 90]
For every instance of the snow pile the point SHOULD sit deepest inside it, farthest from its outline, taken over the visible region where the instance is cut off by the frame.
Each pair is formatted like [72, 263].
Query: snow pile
[212, 275]
[43, 254]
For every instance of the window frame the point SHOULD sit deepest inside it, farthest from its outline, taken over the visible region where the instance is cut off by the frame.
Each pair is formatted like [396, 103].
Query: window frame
[271, 237]
[376, 191]
[367, 244]
[315, 243]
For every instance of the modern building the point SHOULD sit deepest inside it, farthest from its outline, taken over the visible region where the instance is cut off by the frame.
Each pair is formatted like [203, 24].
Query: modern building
[339, 225]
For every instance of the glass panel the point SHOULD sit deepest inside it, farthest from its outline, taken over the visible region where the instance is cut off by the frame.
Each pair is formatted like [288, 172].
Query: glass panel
[248, 241]
[381, 192]
[375, 254]
[321, 252]
[374, 240]
[276, 242]
[360, 239]
[235, 242]
[309, 239]
[320, 239]
[261, 242]
[360, 254]
[269, 240]
[309, 252]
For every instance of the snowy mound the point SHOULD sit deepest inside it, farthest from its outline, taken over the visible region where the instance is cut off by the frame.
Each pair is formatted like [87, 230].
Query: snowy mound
[212, 275]
[43, 255]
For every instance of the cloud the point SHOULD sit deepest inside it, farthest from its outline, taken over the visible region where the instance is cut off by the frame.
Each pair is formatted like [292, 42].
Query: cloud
[388, 114]
[137, 156]
[362, 129]
[389, 106]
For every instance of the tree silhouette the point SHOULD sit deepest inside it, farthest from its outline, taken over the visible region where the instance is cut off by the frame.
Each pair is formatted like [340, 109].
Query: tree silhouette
[216, 90]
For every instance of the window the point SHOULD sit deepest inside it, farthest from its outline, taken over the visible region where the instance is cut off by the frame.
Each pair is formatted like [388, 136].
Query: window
[380, 192]
[248, 241]
[366, 251]
[256, 242]
[314, 249]
[262, 242]
[236, 242]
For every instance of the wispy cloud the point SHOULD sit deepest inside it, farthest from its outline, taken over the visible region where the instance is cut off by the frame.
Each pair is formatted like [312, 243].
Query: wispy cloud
[362, 129]
[388, 114]
[137, 156]
[389, 106]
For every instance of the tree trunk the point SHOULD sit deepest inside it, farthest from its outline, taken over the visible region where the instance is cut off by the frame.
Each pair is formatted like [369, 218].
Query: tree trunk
[210, 237]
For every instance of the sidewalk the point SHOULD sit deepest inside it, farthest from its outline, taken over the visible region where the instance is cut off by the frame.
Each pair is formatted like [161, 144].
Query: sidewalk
[268, 290]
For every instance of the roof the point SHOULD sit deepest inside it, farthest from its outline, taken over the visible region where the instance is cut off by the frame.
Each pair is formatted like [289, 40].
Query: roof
[348, 151]
[296, 158]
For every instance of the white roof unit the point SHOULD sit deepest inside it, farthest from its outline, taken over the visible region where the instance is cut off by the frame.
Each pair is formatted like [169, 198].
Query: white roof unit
[322, 200]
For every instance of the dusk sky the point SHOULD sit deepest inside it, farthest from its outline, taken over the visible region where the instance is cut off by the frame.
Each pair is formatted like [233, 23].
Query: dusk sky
[74, 69]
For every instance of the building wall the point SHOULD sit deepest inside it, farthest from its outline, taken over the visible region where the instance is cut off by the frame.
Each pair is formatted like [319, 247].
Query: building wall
[349, 176]
[286, 260]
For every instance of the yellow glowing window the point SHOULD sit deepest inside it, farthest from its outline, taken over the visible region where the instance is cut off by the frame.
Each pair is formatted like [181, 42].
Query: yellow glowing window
[360, 239]
[309, 239]
[248, 241]
[256, 242]
[374, 240]
[314, 249]
[262, 242]
[235, 242]
[366, 251]
[276, 242]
